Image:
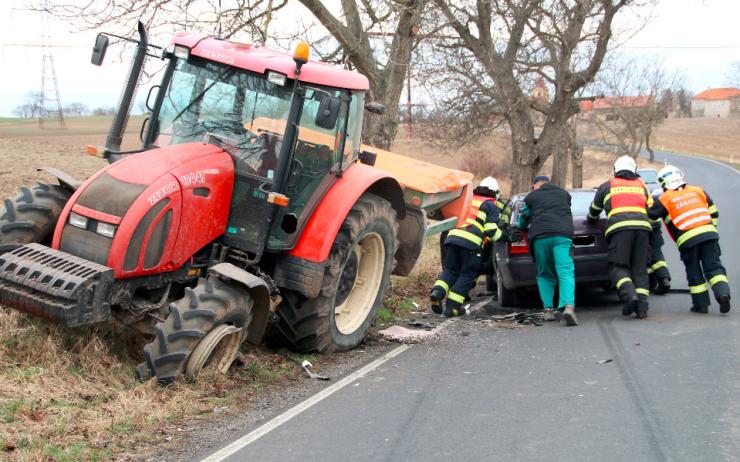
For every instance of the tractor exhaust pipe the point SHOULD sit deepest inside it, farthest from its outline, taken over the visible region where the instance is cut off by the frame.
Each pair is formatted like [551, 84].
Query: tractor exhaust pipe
[118, 127]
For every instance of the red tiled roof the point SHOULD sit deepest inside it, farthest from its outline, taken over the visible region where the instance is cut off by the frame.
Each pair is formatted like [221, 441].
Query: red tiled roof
[718, 94]
[615, 101]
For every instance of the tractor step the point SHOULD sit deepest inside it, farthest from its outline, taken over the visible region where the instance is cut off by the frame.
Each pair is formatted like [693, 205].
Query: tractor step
[55, 285]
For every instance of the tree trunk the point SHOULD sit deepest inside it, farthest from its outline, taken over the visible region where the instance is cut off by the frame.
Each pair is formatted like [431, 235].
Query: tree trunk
[526, 161]
[380, 130]
[577, 158]
[561, 155]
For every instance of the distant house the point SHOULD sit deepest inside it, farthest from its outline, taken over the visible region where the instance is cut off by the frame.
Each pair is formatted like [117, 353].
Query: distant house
[716, 102]
[608, 108]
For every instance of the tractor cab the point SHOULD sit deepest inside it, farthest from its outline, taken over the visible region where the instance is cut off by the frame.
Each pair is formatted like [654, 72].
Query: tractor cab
[286, 122]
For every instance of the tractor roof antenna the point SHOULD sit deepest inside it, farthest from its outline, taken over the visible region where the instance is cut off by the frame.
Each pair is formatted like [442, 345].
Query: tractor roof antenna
[50, 104]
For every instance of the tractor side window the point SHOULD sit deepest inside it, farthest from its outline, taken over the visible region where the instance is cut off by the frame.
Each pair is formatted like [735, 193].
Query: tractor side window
[317, 154]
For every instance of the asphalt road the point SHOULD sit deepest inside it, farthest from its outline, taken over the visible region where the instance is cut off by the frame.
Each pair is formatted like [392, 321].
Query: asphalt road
[671, 391]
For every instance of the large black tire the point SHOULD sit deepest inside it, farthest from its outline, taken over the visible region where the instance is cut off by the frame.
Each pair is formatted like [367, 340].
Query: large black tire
[212, 303]
[31, 215]
[311, 325]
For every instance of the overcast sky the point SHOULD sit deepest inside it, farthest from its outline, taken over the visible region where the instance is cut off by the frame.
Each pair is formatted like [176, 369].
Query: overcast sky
[700, 37]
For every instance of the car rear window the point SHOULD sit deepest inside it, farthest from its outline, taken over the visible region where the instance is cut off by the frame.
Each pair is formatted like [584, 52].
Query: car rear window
[580, 201]
[648, 176]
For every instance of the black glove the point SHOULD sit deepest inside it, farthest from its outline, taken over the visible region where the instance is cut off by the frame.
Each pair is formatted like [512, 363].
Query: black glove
[591, 220]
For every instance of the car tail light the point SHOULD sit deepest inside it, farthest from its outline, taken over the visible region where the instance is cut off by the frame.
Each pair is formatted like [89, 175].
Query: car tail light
[521, 247]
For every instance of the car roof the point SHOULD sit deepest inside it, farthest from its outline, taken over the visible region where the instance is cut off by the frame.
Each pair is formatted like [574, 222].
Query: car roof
[572, 191]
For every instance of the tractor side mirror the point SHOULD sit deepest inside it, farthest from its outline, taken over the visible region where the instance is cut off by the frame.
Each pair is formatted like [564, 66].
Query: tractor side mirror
[375, 108]
[328, 112]
[101, 46]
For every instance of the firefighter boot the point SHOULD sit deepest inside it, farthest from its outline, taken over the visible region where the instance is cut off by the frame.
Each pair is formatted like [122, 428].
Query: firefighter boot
[664, 285]
[436, 299]
[724, 303]
[642, 309]
[699, 309]
[631, 306]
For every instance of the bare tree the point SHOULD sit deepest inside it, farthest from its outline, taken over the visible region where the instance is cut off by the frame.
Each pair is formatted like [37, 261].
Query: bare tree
[76, 109]
[639, 98]
[392, 26]
[32, 106]
[225, 18]
[499, 50]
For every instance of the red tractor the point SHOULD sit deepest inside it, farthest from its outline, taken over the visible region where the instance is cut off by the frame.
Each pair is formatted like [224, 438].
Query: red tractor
[250, 195]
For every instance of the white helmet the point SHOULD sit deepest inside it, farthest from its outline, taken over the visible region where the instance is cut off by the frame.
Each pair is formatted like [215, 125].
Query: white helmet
[490, 183]
[671, 177]
[625, 163]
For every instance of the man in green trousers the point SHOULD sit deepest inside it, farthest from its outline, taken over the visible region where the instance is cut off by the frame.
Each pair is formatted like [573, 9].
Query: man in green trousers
[547, 217]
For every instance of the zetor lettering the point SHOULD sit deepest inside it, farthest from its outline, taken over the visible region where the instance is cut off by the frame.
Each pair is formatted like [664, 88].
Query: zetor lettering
[163, 192]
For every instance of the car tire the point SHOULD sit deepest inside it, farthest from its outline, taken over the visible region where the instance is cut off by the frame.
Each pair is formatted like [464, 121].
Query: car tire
[506, 297]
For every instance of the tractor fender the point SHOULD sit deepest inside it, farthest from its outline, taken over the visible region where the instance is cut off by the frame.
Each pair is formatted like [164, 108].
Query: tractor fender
[259, 291]
[318, 235]
[66, 180]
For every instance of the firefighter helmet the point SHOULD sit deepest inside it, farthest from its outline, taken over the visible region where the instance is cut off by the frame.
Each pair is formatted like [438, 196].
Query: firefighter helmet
[625, 163]
[671, 177]
[490, 183]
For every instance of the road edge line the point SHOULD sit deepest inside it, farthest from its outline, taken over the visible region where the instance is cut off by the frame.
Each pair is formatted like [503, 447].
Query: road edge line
[233, 447]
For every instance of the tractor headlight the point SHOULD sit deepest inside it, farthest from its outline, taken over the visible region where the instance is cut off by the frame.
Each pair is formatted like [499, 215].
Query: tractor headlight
[106, 229]
[181, 52]
[78, 221]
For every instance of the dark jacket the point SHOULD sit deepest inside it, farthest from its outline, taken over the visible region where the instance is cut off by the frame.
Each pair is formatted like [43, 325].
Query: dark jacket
[474, 233]
[547, 212]
[621, 218]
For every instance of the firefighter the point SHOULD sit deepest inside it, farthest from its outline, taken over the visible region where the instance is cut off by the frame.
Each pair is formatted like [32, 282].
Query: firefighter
[462, 250]
[658, 274]
[488, 265]
[691, 218]
[625, 198]
[547, 216]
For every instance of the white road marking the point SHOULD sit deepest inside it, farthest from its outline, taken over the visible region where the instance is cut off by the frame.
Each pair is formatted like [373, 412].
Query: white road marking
[699, 157]
[254, 435]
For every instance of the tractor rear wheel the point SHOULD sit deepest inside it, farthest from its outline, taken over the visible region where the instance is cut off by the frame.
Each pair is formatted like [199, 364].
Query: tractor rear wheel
[204, 329]
[31, 215]
[354, 284]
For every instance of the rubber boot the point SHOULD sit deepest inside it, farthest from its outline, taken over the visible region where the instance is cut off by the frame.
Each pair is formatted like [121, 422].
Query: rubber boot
[724, 303]
[642, 309]
[664, 285]
[435, 300]
[631, 306]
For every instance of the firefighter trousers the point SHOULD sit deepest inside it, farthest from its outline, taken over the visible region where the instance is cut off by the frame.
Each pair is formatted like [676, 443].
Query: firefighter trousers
[657, 266]
[628, 258]
[459, 274]
[703, 265]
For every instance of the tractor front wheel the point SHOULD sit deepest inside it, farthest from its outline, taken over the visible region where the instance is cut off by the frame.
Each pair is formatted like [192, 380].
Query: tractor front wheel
[31, 215]
[204, 329]
[354, 284]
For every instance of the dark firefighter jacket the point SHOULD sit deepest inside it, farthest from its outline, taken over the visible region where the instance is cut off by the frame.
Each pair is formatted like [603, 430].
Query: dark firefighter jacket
[625, 198]
[480, 225]
[689, 214]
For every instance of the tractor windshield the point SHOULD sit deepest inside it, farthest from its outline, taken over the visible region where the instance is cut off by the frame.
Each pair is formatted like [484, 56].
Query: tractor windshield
[239, 110]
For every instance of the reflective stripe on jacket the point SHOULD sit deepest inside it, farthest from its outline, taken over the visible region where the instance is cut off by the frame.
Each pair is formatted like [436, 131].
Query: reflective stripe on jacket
[625, 198]
[481, 224]
[690, 215]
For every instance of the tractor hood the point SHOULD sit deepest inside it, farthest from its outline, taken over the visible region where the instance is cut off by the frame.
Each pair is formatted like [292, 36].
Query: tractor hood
[129, 215]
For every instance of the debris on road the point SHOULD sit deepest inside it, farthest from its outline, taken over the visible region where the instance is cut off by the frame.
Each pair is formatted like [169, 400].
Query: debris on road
[306, 365]
[420, 325]
[604, 361]
[530, 318]
[404, 335]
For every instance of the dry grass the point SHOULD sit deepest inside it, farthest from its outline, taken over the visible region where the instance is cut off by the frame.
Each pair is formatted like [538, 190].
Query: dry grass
[717, 138]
